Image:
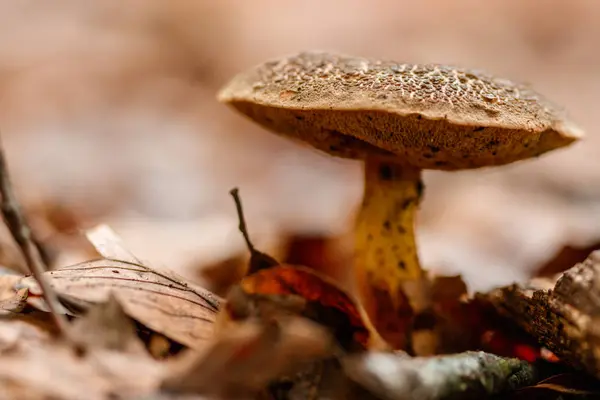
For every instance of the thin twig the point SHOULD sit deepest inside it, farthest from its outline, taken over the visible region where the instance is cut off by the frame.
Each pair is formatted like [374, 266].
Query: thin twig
[258, 260]
[242, 225]
[15, 221]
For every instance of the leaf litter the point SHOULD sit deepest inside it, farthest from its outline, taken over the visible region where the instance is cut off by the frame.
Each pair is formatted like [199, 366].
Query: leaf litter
[282, 332]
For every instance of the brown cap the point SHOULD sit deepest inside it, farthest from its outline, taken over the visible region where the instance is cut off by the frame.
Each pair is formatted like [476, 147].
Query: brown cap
[430, 116]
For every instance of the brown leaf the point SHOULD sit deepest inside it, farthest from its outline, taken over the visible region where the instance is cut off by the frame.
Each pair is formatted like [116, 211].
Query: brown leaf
[109, 245]
[15, 304]
[568, 383]
[12, 299]
[326, 253]
[27, 329]
[7, 285]
[56, 371]
[326, 303]
[105, 325]
[439, 330]
[160, 300]
[222, 275]
[242, 361]
[564, 259]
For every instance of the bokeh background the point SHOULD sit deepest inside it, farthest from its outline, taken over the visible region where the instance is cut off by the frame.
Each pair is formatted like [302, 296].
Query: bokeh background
[108, 115]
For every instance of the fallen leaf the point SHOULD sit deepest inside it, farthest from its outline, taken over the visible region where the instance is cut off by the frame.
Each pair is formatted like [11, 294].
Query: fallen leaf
[437, 329]
[326, 303]
[7, 285]
[105, 325]
[564, 259]
[109, 245]
[12, 300]
[56, 371]
[30, 328]
[162, 301]
[222, 275]
[15, 304]
[568, 383]
[241, 362]
[328, 254]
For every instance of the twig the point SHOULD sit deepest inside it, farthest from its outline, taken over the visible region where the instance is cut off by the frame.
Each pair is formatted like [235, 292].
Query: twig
[19, 229]
[258, 260]
[468, 375]
[235, 193]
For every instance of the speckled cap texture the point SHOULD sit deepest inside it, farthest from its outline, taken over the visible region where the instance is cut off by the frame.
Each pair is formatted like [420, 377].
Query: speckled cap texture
[429, 116]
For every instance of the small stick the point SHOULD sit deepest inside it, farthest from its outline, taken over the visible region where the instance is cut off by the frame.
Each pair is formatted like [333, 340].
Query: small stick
[258, 260]
[19, 229]
[235, 193]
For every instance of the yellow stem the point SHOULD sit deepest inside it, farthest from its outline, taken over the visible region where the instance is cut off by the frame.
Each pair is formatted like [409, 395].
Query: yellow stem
[387, 267]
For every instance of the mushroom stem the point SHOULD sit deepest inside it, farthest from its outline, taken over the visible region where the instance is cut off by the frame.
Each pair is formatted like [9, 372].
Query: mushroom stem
[387, 267]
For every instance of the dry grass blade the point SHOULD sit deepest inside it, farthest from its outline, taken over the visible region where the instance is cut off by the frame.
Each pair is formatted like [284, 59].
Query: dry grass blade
[14, 219]
[160, 300]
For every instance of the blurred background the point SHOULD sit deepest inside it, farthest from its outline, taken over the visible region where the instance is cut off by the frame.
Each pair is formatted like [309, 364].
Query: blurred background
[108, 115]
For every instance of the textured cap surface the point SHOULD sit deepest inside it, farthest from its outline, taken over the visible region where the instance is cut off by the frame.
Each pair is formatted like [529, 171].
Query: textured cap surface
[431, 116]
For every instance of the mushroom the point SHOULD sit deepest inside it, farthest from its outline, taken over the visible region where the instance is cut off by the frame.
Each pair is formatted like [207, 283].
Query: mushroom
[400, 119]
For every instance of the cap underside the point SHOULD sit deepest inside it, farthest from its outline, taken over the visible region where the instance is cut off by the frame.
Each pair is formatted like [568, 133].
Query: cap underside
[410, 139]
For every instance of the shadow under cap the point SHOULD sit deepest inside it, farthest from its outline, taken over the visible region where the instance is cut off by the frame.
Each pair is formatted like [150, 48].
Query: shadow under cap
[429, 116]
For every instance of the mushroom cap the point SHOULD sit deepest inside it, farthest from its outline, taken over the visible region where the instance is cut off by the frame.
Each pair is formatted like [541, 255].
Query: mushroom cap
[430, 116]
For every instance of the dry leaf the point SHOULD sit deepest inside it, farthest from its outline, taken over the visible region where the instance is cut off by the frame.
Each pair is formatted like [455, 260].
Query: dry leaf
[15, 304]
[160, 300]
[7, 285]
[109, 245]
[57, 372]
[328, 254]
[568, 383]
[12, 300]
[105, 325]
[244, 360]
[27, 328]
[326, 303]
[222, 275]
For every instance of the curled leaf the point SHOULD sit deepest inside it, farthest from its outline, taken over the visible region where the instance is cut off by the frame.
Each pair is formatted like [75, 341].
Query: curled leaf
[160, 300]
[326, 303]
